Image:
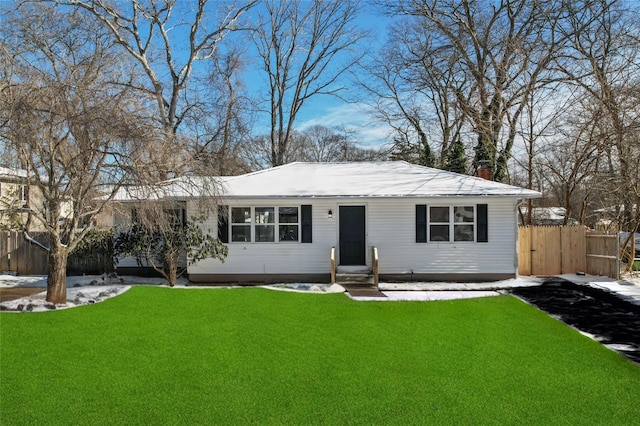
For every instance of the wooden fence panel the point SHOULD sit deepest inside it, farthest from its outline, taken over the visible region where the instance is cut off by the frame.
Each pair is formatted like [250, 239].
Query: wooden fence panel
[602, 253]
[524, 250]
[20, 256]
[546, 258]
[28, 258]
[5, 254]
[551, 250]
[25, 258]
[574, 249]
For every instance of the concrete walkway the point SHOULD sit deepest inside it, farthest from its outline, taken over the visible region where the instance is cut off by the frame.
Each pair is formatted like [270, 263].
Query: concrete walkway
[426, 296]
[625, 289]
[428, 291]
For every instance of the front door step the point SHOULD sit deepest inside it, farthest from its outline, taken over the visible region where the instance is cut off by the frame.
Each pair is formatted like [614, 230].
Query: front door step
[355, 279]
[353, 269]
[364, 291]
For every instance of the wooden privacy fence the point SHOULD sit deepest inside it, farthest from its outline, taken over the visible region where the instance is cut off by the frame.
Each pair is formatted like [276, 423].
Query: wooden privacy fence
[603, 254]
[24, 258]
[554, 250]
[20, 256]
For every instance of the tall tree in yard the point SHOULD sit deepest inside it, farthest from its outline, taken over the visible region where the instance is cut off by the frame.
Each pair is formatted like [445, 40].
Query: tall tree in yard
[69, 121]
[414, 93]
[601, 59]
[456, 159]
[492, 54]
[148, 31]
[219, 122]
[303, 47]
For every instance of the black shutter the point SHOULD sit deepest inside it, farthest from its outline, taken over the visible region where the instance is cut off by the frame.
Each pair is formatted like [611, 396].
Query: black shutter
[483, 223]
[223, 223]
[421, 223]
[307, 228]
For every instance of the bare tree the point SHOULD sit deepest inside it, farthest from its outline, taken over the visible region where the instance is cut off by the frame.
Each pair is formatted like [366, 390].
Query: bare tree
[220, 121]
[303, 47]
[414, 93]
[570, 164]
[73, 127]
[315, 144]
[602, 58]
[541, 131]
[166, 39]
[492, 53]
[323, 144]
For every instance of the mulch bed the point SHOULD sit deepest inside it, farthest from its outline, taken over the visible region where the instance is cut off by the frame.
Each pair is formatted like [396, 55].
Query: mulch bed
[12, 293]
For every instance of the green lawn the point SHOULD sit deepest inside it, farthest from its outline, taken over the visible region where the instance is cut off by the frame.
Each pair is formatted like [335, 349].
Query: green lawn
[216, 356]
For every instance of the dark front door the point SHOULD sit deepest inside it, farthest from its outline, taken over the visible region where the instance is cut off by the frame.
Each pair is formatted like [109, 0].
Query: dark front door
[352, 235]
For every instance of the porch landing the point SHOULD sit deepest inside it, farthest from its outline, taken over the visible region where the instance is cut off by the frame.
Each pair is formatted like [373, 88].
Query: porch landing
[366, 291]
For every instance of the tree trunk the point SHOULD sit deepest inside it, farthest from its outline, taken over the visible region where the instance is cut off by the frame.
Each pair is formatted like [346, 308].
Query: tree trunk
[172, 269]
[57, 278]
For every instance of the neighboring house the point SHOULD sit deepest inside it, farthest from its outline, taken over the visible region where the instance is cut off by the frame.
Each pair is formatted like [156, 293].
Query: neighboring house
[15, 191]
[18, 193]
[548, 216]
[280, 224]
[608, 219]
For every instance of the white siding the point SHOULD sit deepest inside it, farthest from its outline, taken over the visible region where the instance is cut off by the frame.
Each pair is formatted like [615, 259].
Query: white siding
[390, 226]
[278, 258]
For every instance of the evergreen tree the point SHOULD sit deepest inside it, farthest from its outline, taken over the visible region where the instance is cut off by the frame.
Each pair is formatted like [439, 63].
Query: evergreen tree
[403, 151]
[456, 160]
[484, 154]
[426, 156]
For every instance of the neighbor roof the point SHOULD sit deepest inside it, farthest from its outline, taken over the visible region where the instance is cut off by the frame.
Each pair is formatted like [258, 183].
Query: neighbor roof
[6, 172]
[363, 179]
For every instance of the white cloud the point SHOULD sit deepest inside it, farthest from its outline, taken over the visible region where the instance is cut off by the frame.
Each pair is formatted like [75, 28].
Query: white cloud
[352, 116]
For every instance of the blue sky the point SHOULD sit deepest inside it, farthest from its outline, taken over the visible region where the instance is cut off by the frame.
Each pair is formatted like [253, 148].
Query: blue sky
[331, 111]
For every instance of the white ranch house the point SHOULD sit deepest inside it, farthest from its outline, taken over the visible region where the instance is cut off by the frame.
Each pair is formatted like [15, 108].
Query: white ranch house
[281, 224]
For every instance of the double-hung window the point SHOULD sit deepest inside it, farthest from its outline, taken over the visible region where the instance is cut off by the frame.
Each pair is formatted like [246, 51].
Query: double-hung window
[463, 223]
[288, 219]
[452, 223]
[439, 226]
[265, 224]
[240, 224]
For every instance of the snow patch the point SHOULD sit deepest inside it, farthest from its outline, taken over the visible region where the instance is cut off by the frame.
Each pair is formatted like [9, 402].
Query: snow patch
[77, 296]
